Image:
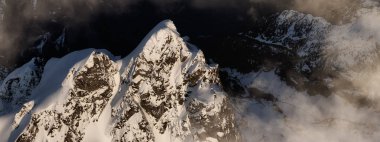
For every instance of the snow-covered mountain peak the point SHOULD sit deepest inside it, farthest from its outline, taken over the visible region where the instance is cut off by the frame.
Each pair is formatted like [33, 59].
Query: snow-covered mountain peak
[175, 89]
[162, 91]
[164, 33]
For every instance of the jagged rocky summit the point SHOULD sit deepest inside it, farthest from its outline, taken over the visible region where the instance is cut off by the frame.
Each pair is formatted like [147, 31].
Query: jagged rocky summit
[163, 91]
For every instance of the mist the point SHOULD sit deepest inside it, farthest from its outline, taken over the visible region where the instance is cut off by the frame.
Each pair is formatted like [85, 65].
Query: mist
[350, 113]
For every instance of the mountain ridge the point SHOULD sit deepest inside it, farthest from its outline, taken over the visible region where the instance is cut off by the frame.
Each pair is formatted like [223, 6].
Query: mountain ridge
[161, 91]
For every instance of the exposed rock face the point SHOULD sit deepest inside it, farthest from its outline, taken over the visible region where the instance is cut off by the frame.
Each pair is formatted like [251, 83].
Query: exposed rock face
[162, 91]
[94, 83]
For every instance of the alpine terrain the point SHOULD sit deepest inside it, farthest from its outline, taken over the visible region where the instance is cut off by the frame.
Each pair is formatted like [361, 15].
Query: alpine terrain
[162, 91]
[240, 71]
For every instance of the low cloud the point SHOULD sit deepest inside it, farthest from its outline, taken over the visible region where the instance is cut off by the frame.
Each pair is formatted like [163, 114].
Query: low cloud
[350, 113]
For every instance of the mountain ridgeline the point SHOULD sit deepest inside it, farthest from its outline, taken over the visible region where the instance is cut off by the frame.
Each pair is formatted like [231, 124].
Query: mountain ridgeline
[162, 91]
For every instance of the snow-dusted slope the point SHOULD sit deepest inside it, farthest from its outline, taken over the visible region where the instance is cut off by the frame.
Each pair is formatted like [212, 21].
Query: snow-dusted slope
[16, 88]
[290, 27]
[300, 33]
[320, 44]
[162, 91]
